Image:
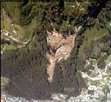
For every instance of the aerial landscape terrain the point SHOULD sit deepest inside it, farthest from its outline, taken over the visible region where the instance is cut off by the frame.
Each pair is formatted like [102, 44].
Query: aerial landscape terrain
[56, 51]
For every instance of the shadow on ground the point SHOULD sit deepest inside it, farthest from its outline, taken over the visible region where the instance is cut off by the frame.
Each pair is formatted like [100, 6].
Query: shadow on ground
[66, 78]
[26, 70]
[27, 79]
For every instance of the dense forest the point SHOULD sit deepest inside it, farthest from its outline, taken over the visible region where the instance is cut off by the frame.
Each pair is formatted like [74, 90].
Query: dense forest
[56, 51]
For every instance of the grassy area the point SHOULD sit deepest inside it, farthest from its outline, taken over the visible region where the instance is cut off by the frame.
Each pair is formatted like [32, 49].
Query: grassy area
[108, 59]
[75, 8]
[13, 14]
[91, 35]
[13, 10]
[8, 47]
[5, 21]
[4, 82]
[85, 50]
[28, 30]
[25, 31]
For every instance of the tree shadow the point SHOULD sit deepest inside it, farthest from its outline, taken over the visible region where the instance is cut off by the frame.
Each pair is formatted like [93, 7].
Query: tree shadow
[66, 78]
[26, 70]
